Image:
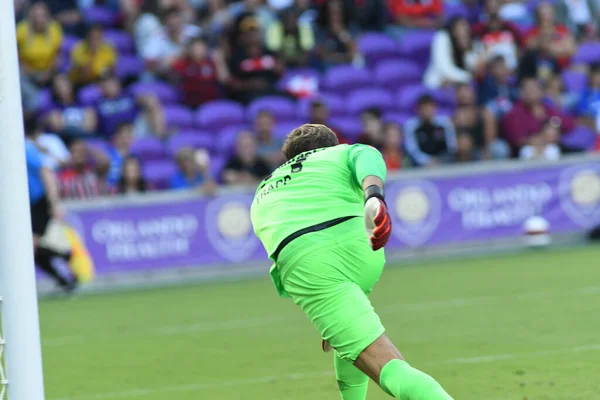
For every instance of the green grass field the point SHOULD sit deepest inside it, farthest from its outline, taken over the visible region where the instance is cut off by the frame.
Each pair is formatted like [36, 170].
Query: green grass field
[509, 327]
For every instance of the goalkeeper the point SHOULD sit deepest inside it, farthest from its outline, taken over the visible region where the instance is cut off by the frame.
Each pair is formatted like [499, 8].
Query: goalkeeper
[311, 215]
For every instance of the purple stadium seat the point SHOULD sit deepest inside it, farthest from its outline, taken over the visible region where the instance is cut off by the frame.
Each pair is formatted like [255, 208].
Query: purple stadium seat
[120, 40]
[377, 46]
[361, 99]
[587, 53]
[217, 163]
[129, 66]
[394, 73]
[281, 107]
[178, 116]
[581, 138]
[348, 126]
[220, 113]
[148, 148]
[453, 10]
[417, 44]
[158, 172]
[575, 81]
[282, 129]
[100, 15]
[407, 97]
[445, 97]
[44, 100]
[89, 95]
[69, 41]
[398, 118]
[190, 138]
[64, 63]
[226, 138]
[344, 78]
[97, 144]
[166, 93]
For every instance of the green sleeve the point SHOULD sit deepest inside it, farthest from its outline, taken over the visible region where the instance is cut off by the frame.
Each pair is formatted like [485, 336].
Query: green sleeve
[365, 161]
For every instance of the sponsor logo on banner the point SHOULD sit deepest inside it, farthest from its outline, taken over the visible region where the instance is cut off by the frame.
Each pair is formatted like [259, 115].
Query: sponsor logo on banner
[416, 208]
[229, 228]
[579, 191]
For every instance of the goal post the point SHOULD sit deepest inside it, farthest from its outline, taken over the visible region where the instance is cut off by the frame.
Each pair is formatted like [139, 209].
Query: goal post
[19, 311]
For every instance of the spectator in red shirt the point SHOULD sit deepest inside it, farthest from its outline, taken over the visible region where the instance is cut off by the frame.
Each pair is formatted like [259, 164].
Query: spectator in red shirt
[82, 180]
[200, 74]
[523, 124]
[417, 13]
[392, 146]
[499, 38]
[563, 43]
[319, 114]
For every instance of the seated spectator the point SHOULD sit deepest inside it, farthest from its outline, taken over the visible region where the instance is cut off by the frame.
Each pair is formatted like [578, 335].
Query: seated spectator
[55, 154]
[476, 129]
[131, 180]
[254, 70]
[264, 16]
[319, 114]
[588, 109]
[167, 44]
[291, 39]
[416, 14]
[543, 145]
[528, 116]
[116, 107]
[336, 44]
[454, 56]
[246, 167]
[67, 13]
[497, 93]
[119, 150]
[194, 171]
[580, 17]
[557, 96]
[83, 179]
[39, 39]
[499, 38]
[214, 17]
[372, 123]
[429, 139]
[554, 40]
[268, 146]
[65, 116]
[200, 74]
[392, 146]
[92, 57]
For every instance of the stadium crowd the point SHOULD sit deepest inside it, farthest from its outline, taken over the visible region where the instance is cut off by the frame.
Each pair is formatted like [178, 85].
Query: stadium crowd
[137, 95]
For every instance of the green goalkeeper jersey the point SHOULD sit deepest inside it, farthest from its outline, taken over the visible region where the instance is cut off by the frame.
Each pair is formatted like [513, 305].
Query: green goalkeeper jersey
[314, 187]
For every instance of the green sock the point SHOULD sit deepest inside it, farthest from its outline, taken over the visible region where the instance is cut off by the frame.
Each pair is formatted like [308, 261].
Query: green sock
[404, 382]
[353, 384]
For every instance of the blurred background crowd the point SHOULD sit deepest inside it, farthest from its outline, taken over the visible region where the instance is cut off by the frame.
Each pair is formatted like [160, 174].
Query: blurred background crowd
[128, 96]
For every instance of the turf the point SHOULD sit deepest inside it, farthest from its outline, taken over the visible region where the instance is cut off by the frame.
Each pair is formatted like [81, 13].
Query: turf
[511, 327]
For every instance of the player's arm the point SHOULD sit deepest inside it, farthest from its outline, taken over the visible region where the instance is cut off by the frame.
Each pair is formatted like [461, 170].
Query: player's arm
[369, 170]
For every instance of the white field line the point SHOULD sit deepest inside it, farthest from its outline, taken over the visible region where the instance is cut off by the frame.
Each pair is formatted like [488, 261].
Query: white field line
[269, 320]
[196, 387]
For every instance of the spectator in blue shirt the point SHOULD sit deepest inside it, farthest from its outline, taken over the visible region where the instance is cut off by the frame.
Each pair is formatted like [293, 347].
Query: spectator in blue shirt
[497, 93]
[588, 109]
[193, 171]
[119, 151]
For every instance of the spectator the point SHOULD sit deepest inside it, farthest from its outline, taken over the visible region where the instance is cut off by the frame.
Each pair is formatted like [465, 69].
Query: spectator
[372, 123]
[193, 171]
[52, 149]
[214, 17]
[497, 93]
[476, 129]
[268, 146]
[336, 42]
[264, 16]
[291, 39]
[553, 40]
[543, 145]
[497, 36]
[581, 17]
[525, 121]
[67, 13]
[429, 139]
[254, 69]
[200, 74]
[131, 180]
[246, 167]
[454, 56]
[588, 109]
[558, 97]
[416, 14]
[392, 146]
[119, 150]
[372, 14]
[92, 57]
[82, 179]
[65, 116]
[116, 107]
[167, 44]
[39, 39]
[319, 114]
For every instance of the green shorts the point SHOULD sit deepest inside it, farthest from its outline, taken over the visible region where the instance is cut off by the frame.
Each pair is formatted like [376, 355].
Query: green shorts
[329, 274]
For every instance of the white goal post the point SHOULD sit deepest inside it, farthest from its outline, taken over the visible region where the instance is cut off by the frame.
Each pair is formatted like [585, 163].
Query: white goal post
[19, 312]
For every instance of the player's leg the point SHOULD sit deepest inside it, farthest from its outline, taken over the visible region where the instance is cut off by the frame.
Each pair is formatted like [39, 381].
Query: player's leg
[352, 382]
[383, 363]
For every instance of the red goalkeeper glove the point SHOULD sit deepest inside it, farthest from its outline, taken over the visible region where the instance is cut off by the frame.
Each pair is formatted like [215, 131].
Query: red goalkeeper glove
[377, 218]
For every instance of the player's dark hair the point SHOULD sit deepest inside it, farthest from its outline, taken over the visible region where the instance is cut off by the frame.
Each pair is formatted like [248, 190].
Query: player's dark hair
[308, 137]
